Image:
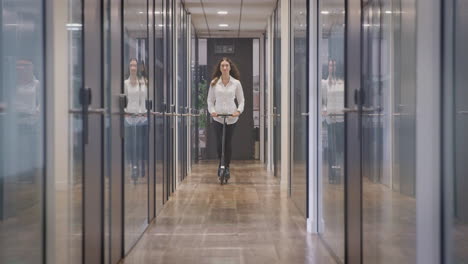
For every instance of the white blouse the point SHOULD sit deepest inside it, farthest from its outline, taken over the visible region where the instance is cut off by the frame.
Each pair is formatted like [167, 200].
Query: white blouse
[136, 95]
[221, 99]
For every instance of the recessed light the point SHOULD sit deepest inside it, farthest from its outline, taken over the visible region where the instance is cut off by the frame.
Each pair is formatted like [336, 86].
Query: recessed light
[161, 25]
[223, 25]
[222, 12]
[157, 12]
[388, 12]
[325, 12]
[141, 12]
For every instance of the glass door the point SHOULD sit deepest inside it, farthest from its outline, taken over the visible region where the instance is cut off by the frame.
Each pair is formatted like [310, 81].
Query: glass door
[22, 136]
[92, 100]
[332, 125]
[169, 98]
[277, 90]
[182, 109]
[159, 106]
[389, 132]
[135, 89]
[455, 129]
[299, 103]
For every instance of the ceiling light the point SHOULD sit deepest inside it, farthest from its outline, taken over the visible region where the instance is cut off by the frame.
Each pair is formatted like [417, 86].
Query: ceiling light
[157, 12]
[141, 12]
[325, 12]
[161, 25]
[388, 12]
[222, 12]
[223, 25]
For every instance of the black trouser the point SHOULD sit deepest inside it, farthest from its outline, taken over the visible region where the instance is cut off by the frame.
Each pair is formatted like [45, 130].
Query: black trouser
[228, 145]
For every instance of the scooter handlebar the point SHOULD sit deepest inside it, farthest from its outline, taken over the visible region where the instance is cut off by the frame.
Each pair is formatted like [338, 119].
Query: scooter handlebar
[224, 115]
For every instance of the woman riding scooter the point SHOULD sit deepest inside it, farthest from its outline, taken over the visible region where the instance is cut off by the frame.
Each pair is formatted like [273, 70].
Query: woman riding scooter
[224, 88]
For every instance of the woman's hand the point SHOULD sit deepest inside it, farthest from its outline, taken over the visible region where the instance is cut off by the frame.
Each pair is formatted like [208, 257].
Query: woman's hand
[214, 114]
[236, 114]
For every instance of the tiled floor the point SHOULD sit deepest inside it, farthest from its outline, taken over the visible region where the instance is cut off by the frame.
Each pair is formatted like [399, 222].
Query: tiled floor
[247, 221]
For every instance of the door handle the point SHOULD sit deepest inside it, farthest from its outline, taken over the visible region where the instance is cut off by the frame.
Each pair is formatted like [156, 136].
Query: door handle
[400, 114]
[304, 114]
[85, 100]
[157, 113]
[90, 111]
[350, 110]
[96, 111]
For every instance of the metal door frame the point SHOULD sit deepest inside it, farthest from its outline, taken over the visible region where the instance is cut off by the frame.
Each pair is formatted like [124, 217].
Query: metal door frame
[117, 167]
[93, 161]
[353, 110]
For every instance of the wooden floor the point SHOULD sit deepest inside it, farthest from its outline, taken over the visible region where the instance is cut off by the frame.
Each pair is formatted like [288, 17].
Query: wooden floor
[247, 221]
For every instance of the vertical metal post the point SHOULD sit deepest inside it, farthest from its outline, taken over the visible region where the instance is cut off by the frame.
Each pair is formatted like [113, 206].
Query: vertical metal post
[353, 170]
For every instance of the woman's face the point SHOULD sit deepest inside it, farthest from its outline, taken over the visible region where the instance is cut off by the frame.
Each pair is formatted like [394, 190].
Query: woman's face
[133, 67]
[225, 67]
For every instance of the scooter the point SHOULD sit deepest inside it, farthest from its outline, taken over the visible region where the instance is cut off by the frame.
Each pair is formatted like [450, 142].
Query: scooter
[223, 176]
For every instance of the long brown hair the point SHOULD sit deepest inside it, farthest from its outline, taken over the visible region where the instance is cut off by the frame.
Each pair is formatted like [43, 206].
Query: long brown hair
[234, 72]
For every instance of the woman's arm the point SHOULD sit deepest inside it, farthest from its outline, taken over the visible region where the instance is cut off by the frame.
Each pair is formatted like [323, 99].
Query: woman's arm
[211, 100]
[240, 98]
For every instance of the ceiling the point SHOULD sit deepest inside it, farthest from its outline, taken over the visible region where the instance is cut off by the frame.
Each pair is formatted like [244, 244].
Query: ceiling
[245, 18]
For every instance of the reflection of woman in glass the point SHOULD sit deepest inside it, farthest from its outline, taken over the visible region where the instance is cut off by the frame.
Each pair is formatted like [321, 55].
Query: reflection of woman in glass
[224, 88]
[136, 122]
[332, 106]
[27, 105]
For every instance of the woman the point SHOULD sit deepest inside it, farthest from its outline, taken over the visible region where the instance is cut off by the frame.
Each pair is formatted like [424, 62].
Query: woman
[224, 88]
[136, 122]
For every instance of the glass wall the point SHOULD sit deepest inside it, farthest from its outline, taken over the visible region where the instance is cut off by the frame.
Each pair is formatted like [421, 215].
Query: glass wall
[455, 118]
[299, 104]
[202, 93]
[22, 131]
[182, 60]
[194, 95]
[69, 186]
[159, 100]
[277, 90]
[135, 88]
[256, 94]
[331, 125]
[389, 131]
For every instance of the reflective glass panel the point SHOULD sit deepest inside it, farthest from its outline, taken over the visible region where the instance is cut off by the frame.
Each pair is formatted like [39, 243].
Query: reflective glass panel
[299, 96]
[455, 143]
[332, 125]
[69, 185]
[135, 88]
[22, 152]
[389, 131]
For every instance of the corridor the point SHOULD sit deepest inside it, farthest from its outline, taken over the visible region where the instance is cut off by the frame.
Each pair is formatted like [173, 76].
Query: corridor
[250, 220]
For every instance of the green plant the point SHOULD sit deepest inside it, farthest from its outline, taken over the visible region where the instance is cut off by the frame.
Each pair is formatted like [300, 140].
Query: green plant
[202, 102]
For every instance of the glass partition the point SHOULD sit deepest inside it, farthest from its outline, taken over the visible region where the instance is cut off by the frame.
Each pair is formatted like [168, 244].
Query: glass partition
[389, 131]
[22, 124]
[455, 143]
[299, 100]
[159, 103]
[277, 90]
[332, 125]
[135, 88]
[69, 186]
